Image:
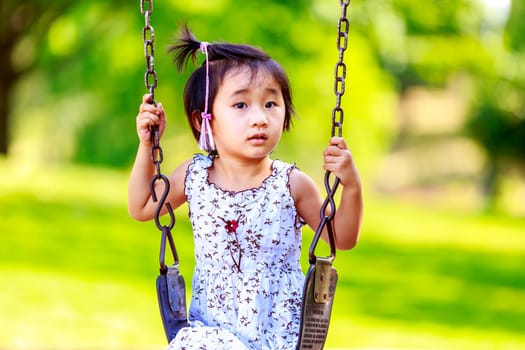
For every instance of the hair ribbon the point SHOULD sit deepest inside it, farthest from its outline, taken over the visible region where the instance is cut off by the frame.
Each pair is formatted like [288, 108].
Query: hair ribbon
[206, 142]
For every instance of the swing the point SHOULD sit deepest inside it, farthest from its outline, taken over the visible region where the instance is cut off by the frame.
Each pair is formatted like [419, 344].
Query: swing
[321, 278]
[171, 290]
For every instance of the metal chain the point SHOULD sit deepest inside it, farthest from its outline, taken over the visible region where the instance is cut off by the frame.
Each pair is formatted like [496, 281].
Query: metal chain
[148, 36]
[150, 77]
[150, 81]
[343, 26]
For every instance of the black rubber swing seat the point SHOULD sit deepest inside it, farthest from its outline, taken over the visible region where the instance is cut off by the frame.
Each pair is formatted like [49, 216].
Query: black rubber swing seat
[171, 293]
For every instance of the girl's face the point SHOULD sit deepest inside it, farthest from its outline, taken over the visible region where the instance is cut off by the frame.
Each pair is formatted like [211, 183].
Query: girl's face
[248, 114]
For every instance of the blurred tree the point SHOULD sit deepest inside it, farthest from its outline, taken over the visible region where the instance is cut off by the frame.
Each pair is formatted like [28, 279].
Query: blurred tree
[497, 121]
[502, 134]
[22, 25]
[427, 43]
[83, 67]
[515, 28]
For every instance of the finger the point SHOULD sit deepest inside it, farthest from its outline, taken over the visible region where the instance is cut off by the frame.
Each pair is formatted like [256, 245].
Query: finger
[339, 142]
[333, 162]
[332, 150]
[149, 109]
[147, 119]
[330, 167]
[151, 117]
[146, 99]
[161, 111]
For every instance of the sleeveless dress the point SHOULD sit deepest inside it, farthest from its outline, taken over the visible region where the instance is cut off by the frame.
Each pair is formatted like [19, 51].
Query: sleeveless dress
[247, 283]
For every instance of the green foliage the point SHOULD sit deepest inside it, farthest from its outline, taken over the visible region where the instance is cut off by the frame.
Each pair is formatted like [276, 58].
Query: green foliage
[81, 69]
[93, 54]
[515, 28]
[432, 17]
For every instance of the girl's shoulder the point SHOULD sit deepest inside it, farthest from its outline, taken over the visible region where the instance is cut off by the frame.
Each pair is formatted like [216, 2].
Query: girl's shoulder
[306, 196]
[198, 162]
[177, 181]
[202, 160]
[196, 170]
[282, 167]
[300, 183]
[297, 177]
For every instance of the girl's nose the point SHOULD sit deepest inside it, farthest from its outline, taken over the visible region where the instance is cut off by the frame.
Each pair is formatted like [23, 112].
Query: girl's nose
[259, 118]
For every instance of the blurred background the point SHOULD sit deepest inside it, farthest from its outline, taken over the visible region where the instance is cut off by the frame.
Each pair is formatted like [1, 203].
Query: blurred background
[434, 115]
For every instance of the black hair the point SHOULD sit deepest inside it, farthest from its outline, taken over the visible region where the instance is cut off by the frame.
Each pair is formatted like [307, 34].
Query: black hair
[222, 57]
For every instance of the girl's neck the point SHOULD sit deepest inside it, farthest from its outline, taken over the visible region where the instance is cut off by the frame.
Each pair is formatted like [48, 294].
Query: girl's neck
[235, 175]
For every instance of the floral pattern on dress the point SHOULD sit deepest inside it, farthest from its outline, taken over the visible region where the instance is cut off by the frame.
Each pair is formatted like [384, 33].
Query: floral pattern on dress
[247, 284]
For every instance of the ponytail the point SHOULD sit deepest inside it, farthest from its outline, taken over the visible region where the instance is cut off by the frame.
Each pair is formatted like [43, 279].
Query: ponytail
[188, 47]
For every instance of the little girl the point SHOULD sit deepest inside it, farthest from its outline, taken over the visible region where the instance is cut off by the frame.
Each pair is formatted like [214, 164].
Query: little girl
[246, 209]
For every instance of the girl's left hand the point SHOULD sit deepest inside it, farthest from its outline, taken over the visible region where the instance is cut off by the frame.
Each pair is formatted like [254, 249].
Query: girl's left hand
[338, 160]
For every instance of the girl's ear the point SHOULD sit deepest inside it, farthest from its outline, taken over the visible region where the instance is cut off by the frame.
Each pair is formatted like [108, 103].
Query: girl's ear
[196, 120]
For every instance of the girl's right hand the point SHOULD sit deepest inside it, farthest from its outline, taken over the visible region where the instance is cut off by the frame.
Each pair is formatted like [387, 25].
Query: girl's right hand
[149, 115]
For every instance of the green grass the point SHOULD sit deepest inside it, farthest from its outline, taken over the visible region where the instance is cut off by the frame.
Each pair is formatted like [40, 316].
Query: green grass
[79, 273]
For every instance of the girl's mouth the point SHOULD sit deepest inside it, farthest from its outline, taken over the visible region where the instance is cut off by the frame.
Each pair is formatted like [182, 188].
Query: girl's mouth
[258, 136]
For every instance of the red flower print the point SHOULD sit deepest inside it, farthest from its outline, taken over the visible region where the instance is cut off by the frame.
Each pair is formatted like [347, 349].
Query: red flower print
[231, 226]
[232, 243]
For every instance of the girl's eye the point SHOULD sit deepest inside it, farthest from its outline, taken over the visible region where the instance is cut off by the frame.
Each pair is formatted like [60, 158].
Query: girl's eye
[240, 105]
[270, 104]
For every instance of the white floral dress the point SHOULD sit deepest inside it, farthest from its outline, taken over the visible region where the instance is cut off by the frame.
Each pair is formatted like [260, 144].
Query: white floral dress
[248, 282]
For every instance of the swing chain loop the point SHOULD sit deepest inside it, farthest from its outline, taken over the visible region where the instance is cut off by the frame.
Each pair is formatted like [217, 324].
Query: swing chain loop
[328, 207]
[143, 9]
[157, 155]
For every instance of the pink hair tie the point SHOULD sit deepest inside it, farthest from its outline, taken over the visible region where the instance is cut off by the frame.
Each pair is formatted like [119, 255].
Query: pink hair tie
[206, 142]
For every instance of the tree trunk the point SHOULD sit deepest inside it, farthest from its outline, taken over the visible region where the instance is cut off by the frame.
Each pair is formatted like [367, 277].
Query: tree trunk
[17, 19]
[490, 183]
[9, 35]
[4, 115]
[6, 84]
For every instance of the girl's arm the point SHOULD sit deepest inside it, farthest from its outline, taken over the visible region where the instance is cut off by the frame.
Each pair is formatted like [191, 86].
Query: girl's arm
[140, 203]
[347, 220]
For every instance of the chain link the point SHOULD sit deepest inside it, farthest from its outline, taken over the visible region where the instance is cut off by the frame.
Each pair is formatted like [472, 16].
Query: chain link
[328, 207]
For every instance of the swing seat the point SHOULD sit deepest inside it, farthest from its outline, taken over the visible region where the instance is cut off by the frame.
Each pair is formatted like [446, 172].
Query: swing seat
[318, 298]
[171, 293]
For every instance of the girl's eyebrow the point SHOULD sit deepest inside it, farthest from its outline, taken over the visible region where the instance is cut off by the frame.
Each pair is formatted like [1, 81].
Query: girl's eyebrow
[239, 92]
[271, 91]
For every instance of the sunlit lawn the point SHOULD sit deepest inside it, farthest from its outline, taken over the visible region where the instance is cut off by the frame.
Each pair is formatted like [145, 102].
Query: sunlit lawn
[78, 273]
